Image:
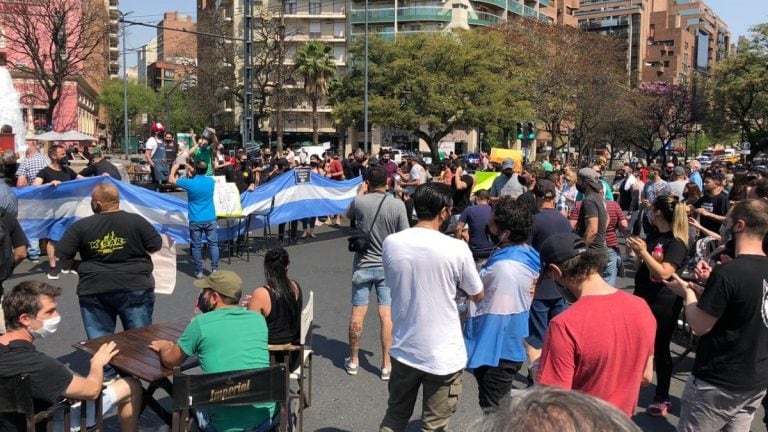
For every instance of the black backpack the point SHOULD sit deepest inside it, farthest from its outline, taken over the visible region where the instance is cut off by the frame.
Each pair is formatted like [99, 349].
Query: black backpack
[7, 259]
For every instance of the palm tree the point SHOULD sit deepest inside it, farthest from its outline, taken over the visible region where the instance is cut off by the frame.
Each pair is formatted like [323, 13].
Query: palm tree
[314, 62]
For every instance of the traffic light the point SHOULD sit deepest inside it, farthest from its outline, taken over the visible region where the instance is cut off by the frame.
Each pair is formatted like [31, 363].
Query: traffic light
[530, 131]
[519, 131]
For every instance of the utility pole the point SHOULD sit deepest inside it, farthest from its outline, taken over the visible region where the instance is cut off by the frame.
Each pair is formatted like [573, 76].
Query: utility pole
[125, 87]
[279, 123]
[248, 72]
[365, 90]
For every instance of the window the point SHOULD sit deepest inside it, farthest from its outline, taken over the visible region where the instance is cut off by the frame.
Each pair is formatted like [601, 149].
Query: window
[315, 30]
[666, 63]
[290, 7]
[338, 29]
[169, 73]
[315, 8]
[339, 52]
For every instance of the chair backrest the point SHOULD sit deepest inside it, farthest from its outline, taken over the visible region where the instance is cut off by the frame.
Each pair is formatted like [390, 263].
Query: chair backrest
[307, 316]
[16, 395]
[272, 205]
[230, 388]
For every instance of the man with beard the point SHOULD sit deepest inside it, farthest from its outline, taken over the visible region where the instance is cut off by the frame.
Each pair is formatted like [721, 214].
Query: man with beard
[593, 219]
[576, 354]
[730, 373]
[55, 173]
[713, 206]
[427, 345]
[507, 184]
[390, 166]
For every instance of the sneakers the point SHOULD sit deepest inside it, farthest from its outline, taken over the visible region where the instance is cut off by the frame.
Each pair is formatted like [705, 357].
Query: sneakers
[53, 274]
[199, 275]
[69, 271]
[385, 374]
[350, 367]
[34, 260]
[659, 408]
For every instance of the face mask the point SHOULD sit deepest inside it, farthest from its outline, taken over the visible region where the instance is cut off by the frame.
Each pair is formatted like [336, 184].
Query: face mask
[568, 296]
[493, 238]
[522, 180]
[49, 327]
[509, 175]
[202, 304]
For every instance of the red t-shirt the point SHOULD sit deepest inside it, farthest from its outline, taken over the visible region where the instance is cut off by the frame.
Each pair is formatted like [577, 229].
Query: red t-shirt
[335, 167]
[600, 345]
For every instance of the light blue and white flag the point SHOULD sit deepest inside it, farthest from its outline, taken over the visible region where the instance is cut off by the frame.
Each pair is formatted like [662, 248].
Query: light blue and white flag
[47, 211]
[320, 197]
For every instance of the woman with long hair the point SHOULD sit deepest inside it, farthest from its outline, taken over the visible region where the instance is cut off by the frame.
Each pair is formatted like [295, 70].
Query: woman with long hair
[664, 253]
[280, 301]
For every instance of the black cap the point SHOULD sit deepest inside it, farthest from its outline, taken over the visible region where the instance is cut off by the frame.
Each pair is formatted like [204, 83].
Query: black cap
[561, 247]
[545, 189]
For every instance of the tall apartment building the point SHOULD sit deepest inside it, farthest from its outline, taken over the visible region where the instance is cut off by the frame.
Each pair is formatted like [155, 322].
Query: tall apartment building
[304, 21]
[145, 56]
[667, 40]
[176, 58]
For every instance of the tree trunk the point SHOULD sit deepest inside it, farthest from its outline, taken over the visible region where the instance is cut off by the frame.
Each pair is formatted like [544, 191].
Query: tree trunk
[315, 126]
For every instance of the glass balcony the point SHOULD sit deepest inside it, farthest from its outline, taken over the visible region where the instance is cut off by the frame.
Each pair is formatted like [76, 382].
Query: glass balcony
[415, 13]
[483, 19]
[515, 7]
[498, 3]
[530, 12]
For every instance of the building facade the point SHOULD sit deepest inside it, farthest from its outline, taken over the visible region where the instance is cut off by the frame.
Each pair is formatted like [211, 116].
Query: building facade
[77, 108]
[667, 40]
[175, 56]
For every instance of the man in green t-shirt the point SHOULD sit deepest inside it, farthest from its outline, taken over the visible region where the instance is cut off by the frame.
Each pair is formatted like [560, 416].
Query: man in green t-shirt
[202, 151]
[226, 337]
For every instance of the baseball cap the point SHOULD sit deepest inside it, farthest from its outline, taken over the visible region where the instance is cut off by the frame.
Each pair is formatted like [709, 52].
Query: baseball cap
[96, 151]
[560, 247]
[679, 171]
[588, 175]
[545, 189]
[507, 164]
[224, 282]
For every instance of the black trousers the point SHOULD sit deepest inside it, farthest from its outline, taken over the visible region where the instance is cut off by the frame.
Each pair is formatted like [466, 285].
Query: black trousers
[666, 309]
[495, 382]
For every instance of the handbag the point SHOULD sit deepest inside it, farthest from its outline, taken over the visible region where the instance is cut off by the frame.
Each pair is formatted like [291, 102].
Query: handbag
[361, 242]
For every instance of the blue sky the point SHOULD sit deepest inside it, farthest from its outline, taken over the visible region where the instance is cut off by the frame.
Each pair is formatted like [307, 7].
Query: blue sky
[738, 14]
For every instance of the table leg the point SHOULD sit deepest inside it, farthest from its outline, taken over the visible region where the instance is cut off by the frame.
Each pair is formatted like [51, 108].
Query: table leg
[148, 399]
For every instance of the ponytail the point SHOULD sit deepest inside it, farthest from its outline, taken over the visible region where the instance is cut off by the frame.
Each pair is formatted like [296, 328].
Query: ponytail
[680, 223]
[676, 214]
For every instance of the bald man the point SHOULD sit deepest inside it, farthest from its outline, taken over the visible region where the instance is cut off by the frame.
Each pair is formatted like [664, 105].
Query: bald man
[115, 268]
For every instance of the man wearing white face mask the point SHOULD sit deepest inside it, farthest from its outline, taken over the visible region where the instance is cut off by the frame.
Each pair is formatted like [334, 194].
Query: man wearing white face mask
[30, 313]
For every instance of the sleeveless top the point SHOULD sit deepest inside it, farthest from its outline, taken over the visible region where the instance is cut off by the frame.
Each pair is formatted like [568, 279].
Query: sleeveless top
[284, 319]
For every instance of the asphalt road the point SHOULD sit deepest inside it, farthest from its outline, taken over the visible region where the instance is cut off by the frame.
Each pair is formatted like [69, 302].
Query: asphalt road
[340, 402]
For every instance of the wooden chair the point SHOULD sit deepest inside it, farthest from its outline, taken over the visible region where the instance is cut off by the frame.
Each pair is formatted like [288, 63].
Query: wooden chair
[303, 373]
[16, 398]
[266, 218]
[242, 387]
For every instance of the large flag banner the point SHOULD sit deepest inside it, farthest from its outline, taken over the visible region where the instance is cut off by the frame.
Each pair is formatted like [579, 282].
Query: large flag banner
[499, 154]
[321, 196]
[46, 211]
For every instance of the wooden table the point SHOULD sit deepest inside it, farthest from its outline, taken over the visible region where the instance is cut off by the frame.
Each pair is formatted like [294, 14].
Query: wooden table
[137, 360]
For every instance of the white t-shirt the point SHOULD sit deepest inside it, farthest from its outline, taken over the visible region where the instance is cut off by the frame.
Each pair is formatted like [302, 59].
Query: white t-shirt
[417, 172]
[423, 268]
[151, 144]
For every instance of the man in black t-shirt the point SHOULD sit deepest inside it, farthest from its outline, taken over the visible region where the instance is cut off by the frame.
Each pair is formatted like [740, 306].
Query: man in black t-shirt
[461, 188]
[100, 166]
[713, 206]
[31, 314]
[115, 269]
[54, 174]
[730, 373]
[19, 244]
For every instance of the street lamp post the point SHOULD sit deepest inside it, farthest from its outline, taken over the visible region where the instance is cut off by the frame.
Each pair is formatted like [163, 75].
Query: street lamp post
[365, 90]
[125, 84]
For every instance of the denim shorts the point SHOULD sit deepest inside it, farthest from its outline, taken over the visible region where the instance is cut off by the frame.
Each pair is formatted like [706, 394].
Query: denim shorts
[365, 279]
[108, 405]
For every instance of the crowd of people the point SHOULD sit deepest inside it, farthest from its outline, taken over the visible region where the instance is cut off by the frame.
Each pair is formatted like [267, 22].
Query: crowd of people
[519, 278]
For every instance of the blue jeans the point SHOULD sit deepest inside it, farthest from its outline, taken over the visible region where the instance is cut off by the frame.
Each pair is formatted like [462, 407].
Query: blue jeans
[33, 251]
[611, 270]
[196, 232]
[100, 312]
[542, 312]
[365, 279]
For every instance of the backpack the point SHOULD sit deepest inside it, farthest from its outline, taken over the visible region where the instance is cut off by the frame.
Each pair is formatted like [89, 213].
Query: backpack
[7, 259]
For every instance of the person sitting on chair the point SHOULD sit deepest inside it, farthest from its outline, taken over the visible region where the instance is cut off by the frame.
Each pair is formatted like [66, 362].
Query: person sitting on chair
[225, 337]
[279, 300]
[30, 313]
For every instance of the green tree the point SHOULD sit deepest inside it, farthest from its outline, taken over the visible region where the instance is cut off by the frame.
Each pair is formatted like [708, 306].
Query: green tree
[739, 96]
[314, 63]
[141, 100]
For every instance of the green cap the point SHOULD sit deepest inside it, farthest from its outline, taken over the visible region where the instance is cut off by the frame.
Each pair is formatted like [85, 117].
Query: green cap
[224, 282]
[96, 151]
